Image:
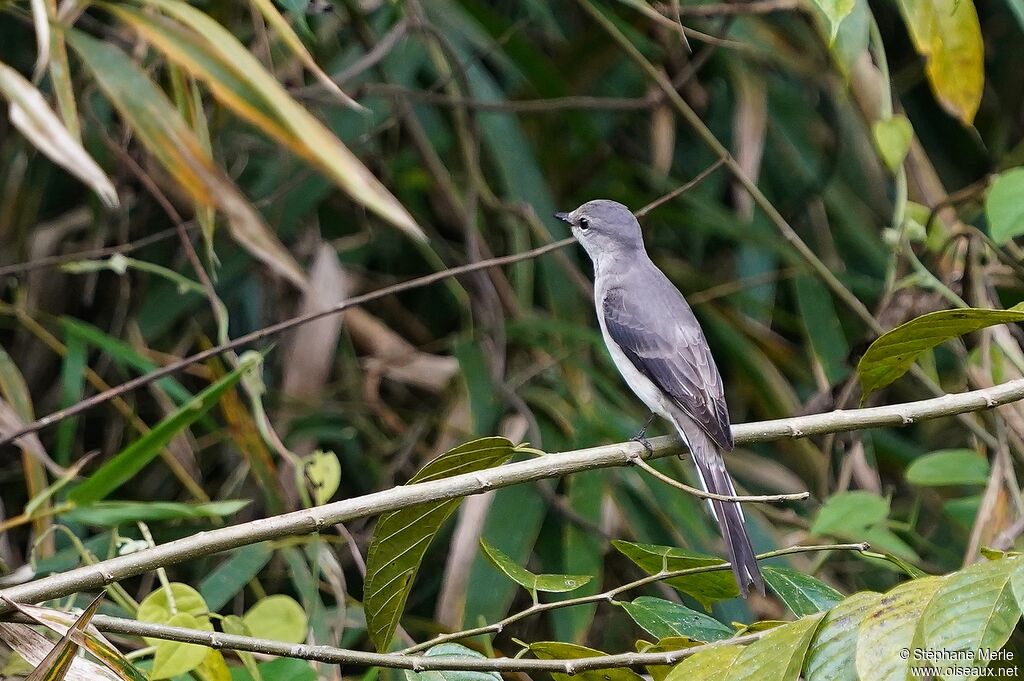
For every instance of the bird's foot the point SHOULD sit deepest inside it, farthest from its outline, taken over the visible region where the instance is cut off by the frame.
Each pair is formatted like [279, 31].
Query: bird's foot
[641, 436]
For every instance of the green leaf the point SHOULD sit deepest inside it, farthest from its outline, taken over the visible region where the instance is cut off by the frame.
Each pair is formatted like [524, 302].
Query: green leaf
[831, 655]
[227, 579]
[233, 624]
[113, 513]
[948, 467]
[947, 34]
[323, 471]
[278, 618]
[706, 587]
[779, 655]
[822, 328]
[401, 538]
[850, 512]
[835, 11]
[173, 658]
[894, 352]
[974, 609]
[159, 605]
[451, 650]
[555, 650]
[712, 664]
[889, 627]
[801, 593]
[892, 140]
[166, 135]
[281, 669]
[666, 619]
[133, 458]
[1004, 209]
[528, 580]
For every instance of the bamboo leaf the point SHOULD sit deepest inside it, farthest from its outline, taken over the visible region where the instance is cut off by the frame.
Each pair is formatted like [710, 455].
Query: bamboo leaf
[133, 458]
[528, 580]
[401, 538]
[164, 133]
[32, 116]
[894, 352]
[57, 663]
[209, 52]
[947, 34]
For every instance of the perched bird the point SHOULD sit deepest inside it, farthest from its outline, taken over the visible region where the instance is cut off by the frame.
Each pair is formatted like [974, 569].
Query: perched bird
[659, 348]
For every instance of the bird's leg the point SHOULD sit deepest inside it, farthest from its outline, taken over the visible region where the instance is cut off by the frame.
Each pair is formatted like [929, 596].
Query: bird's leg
[641, 435]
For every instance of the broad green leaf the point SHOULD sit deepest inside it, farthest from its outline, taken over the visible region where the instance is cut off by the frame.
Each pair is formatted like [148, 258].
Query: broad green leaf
[706, 587]
[233, 624]
[665, 619]
[555, 650]
[172, 658]
[831, 655]
[401, 538]
[801, 593]
[948, 467]
[892, 140]
[323, 471]
[133, 458]
[1004, 209]
[166, 135]
[278, 618]
[209, 52]
[779, 655]
[160, 605]
[57, 663]
[894, 352]
[528, 580]
[835, 11]
[947, 34]
[451, 650]
[850, 512]
[227, 579]
[33, 117]
[712, 664]
[213, 667]
[889, 627]
[974, 609]
[113, 513]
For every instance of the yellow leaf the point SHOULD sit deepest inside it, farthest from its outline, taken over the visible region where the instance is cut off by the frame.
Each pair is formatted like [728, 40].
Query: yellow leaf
[947, 34]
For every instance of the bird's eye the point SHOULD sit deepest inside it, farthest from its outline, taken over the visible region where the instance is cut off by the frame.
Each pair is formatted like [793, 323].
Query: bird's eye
[584, 224]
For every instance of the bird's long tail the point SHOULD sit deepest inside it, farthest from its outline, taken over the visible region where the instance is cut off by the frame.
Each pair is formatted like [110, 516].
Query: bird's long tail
[715, 479]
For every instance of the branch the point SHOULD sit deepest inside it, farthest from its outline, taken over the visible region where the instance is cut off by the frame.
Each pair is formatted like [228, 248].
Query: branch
[403, 660]
[273, 330]
[549, 466]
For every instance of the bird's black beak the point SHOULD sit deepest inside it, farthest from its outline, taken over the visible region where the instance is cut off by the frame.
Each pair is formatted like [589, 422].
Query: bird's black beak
[564, 217]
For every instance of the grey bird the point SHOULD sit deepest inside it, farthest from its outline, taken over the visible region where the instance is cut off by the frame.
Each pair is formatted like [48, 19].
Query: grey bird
[659, 348]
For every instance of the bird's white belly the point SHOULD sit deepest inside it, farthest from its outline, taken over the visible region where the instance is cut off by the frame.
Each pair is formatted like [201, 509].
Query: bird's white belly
[648, 393]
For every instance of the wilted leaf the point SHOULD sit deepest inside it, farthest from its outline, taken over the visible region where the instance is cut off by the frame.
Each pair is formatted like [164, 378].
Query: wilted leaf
[57, 663]
[779, 655]
[894, 352]
[892, 140]
[133, 458]
[1004, 209]
[451, 650]
[33, 647]
[706, 587]
[947, 34]
[889, 627]
[30, 114]
[974, 609]
[948, 467]
[831, 654]
[665, 619]
[555, 650]
[712, 664]
[168, 138]
[212, 54]
[801, 593]
[401, 537]
[528, 580]
[278, 618]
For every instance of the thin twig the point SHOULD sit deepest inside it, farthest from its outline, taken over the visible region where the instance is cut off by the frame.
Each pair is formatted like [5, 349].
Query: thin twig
[761, 498]
[680, 190]
[272, 330]
[540, 106]
[720, 9]
[311, 520]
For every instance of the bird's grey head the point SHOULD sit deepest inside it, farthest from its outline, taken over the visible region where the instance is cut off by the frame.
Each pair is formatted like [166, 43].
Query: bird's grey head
[604, 228]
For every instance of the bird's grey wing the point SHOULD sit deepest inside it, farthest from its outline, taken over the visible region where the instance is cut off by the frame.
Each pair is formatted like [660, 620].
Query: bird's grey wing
[662, 339]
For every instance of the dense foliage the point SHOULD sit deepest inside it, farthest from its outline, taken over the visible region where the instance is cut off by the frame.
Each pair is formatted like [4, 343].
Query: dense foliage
[811, 174]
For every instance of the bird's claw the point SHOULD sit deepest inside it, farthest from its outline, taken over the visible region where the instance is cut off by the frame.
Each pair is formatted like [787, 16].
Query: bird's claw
[639, 437]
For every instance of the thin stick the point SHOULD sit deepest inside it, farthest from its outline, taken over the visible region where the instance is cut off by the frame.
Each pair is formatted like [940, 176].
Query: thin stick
[311, 520]
[762, 498]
